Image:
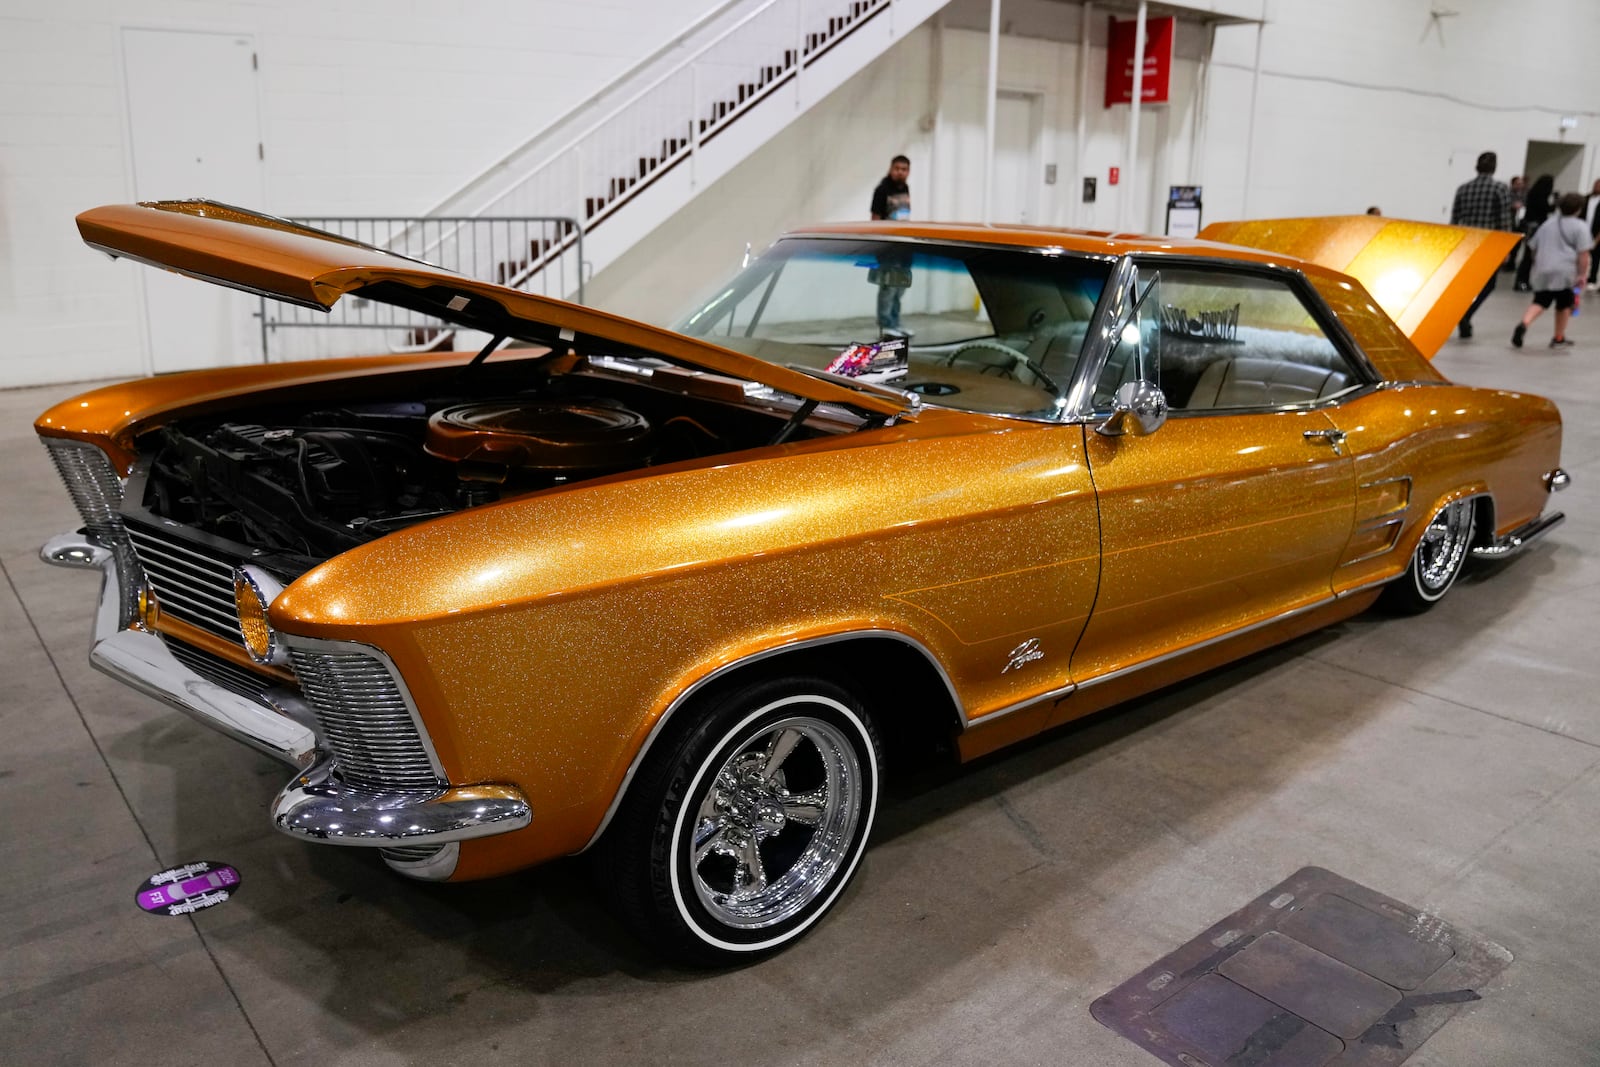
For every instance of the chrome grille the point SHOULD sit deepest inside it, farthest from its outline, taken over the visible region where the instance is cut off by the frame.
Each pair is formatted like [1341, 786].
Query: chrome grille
[92, 483]
[365, 721]
[214, 668]
[191, 582]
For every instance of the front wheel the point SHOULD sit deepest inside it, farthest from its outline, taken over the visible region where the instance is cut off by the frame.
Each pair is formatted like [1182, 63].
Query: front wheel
[741, 833]
[1436, 563]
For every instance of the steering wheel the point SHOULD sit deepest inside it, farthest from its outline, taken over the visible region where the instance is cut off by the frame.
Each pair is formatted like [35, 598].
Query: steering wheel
[1018, 359]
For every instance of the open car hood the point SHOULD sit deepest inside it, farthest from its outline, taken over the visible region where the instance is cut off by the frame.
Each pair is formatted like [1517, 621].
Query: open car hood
[280, 259]
[1422, 274]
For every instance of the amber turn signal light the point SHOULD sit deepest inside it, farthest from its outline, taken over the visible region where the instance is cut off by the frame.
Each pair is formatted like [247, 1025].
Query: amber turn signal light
[253, 593]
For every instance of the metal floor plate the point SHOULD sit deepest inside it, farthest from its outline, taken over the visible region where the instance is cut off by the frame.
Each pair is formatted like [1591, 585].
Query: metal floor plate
[1316, 972]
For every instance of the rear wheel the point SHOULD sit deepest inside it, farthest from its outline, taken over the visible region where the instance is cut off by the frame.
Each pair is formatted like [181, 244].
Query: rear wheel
[742, 831]
[1437, 561]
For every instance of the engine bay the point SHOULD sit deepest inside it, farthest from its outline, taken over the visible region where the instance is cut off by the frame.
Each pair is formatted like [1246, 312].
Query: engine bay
[298, 484]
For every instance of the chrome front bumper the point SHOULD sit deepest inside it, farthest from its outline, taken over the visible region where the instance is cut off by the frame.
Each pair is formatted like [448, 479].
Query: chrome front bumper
[319, 806]
[141, 659]
[315, 804]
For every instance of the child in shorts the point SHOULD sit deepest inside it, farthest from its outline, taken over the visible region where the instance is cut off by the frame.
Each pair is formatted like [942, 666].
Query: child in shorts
[1560, 250]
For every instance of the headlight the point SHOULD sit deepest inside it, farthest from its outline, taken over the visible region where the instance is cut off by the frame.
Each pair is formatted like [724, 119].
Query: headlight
[253, 593]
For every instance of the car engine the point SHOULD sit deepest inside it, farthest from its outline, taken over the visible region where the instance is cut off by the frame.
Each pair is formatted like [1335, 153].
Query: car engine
[329, 480]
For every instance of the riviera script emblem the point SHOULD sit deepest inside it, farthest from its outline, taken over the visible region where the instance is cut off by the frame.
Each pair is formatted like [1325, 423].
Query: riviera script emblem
[1024, 653]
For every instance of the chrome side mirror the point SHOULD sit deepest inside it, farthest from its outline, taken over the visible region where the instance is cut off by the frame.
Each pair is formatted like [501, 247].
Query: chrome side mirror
[1139, 408]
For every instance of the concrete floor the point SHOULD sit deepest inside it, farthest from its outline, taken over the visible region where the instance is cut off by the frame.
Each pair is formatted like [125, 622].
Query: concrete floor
[1451, 761]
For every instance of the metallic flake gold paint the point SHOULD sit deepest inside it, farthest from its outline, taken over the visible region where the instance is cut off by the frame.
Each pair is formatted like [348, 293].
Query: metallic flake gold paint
[265, 255]
[542, 637]
[582, 613]
[1422, 274]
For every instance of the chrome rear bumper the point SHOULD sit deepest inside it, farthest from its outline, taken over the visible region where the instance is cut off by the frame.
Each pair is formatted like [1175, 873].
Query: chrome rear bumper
[1520, 538]
[315, 804]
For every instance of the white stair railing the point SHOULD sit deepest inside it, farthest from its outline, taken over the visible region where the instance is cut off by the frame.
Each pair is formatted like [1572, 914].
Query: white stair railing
[601, 165]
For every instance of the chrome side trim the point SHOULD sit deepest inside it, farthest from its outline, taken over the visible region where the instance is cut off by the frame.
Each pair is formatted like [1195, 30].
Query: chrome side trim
[1121, 672]
[1021, 705]
[1373, 526]
[1520, 538]
[794, 646]
[74, 550]
[1365, 586]
[319, 806]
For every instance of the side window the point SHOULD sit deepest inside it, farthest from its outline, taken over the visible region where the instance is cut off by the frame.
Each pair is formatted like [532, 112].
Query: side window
[1233, 340]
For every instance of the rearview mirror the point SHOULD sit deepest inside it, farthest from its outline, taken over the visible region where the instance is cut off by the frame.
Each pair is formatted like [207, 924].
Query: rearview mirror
[1139, 408]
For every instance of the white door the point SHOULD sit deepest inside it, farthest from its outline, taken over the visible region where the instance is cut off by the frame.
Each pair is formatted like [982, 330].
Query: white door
[194, 130]
[1016, 170]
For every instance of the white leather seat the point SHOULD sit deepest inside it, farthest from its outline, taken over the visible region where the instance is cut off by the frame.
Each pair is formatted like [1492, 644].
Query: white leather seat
[1253, 382]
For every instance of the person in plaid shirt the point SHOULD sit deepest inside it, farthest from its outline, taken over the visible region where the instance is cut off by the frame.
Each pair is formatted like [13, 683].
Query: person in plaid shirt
[1486, 204]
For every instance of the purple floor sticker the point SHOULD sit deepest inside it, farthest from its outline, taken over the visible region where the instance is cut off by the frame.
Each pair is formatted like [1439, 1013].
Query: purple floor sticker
[187, 889]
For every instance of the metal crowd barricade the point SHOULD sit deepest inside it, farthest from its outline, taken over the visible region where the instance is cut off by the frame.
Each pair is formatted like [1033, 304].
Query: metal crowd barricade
[538, 254]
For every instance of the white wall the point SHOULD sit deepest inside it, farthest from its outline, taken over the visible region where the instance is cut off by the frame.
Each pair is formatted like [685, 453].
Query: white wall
[367, 107]
[1359, 102]
[1376, 102]
[376, 106]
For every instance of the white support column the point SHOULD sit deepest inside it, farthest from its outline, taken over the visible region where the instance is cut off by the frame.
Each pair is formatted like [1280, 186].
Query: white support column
[993, 94]
[1131, 165]
[1079, 212]
[1202, 105]
[1250, 128]
[799, 49]
[694, 126]
[935, 114]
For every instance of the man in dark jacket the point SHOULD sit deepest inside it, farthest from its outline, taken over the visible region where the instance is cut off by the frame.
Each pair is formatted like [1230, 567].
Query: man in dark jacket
[1486, 204]
[892, 198]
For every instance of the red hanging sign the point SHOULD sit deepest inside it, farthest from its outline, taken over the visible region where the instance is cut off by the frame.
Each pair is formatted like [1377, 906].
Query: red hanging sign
[1157, 61]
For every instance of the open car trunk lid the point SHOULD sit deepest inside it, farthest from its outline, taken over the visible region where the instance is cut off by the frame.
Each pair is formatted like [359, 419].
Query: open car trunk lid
[1423, 274]
[280, 259]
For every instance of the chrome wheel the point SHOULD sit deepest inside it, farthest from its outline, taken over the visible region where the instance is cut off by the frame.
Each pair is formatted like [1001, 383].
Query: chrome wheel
[747, 823]
[1443, 549]
[1437, 561]
[769, 834]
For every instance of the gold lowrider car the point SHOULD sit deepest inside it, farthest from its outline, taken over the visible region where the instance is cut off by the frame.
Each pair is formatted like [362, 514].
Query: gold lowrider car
[675, 596]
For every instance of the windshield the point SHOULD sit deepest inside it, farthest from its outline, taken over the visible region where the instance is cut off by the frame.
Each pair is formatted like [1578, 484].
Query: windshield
[984, 329]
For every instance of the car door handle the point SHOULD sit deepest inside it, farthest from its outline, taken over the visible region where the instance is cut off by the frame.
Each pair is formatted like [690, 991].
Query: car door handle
[1327, 437]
